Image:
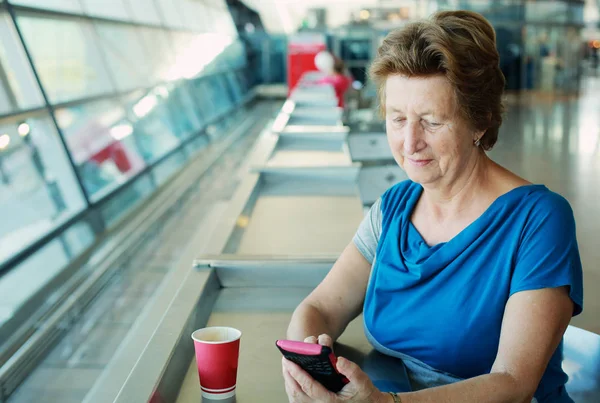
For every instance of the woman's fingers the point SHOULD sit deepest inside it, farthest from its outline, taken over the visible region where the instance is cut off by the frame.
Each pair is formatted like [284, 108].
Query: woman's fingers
[311, 339]
[313, 389]
[325, 340]
[293, 390]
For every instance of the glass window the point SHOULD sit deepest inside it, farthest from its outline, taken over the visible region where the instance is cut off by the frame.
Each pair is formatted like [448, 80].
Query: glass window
[168, 167]
[144, 11]
[128, 198]
[183, 109]
[106, 8]
[547, 11]
[126, 56]
[171, 13]
[222, 22]
[196, 15]
[356, 49]
[70, 6]
[153, 124]
[235, 55]
[203, 92]
[196, 145]
[38, 189]
[103, 145]
[66, 57]
[197, 54]
[234, 84]
[19, 285]
[18, 88]
[159, 53]
[218, 93]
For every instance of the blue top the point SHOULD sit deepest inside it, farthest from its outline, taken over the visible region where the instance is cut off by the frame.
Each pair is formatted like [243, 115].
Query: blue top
[444, 304]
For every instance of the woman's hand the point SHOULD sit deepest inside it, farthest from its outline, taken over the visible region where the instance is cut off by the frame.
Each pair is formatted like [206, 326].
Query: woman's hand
[302, 388]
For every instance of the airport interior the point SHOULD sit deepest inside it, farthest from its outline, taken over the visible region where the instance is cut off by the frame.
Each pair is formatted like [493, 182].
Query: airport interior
[172, 165]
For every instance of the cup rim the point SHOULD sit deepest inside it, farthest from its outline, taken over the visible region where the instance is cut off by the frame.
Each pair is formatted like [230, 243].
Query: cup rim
[237, 337]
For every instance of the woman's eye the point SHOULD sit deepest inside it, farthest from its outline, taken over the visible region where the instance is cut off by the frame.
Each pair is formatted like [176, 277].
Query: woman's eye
[432, 124]
[399, 120]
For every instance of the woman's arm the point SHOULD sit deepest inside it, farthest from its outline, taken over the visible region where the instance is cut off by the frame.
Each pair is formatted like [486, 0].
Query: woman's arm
[532, 328]
[336, 301]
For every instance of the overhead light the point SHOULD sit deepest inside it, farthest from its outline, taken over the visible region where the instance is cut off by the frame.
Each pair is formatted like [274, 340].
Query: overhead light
[249, 28]
[4, 141]
[162, 91]
[23, 129]
[119, 132]
[145, 105]
[596, 44]
[364, 14]
[243, 221]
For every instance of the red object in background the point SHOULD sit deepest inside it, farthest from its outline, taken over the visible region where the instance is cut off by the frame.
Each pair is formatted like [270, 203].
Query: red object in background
[340, 84]
[302, 49]
[115, 152]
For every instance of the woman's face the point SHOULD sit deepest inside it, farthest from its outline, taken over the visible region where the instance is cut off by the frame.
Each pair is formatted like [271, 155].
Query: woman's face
[428, 138]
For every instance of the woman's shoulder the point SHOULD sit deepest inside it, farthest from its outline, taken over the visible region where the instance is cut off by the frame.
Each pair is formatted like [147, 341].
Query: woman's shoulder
[543, 206]
[541, 200]
[536, 206]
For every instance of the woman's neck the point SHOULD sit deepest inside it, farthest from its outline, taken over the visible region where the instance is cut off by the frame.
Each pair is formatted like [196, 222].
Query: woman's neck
[451, 199]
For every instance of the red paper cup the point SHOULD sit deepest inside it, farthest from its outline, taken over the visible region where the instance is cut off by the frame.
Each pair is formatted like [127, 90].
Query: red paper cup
[217, 352]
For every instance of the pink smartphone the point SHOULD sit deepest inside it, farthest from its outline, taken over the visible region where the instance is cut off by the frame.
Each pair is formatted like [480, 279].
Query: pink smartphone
[319, 361]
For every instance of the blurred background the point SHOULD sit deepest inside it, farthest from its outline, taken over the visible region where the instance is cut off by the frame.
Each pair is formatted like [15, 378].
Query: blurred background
[104, 102]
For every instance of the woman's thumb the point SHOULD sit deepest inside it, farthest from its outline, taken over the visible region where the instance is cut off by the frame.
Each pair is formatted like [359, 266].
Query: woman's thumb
[349, 369]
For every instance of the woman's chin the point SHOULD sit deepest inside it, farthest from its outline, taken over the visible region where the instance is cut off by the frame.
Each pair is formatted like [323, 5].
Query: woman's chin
[422, 178]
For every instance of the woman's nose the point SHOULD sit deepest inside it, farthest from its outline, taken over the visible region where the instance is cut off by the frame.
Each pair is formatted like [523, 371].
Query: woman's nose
[413, 138]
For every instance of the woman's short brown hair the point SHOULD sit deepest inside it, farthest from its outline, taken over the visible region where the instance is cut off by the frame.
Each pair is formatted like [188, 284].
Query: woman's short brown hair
[461, 45]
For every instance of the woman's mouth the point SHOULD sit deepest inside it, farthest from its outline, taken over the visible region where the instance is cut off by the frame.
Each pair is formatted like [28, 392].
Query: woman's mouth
[418, 162]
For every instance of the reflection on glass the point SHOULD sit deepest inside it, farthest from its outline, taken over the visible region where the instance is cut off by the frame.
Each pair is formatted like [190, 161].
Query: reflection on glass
[197, 53]
[144, 11]
[168, 167]
[221, 19]
[29, 277]
[128, 198]
[186, 116]
[66, 57]
[547, 11]
[552, 57]
[159, 52]
[18, 89]
[234, 84]
[196, 144]
[155, 128]
[126, 56]
[170, 13]
[38, 190]
[71, 6]
[106, 8]
[356, 49]
[216, 90]
[102, 143]
[235, 55]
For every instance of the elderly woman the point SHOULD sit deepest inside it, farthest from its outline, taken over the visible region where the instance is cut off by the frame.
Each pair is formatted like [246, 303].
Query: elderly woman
[468, 273]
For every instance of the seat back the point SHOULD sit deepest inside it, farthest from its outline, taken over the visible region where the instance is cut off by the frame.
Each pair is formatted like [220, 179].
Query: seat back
[582, 363]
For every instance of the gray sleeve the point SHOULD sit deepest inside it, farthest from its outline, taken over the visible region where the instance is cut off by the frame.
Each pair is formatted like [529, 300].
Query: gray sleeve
[367, 236]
